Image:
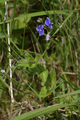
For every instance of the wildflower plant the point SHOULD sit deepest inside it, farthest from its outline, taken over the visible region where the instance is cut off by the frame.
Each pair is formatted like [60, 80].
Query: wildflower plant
[40, 28]
[48, 23]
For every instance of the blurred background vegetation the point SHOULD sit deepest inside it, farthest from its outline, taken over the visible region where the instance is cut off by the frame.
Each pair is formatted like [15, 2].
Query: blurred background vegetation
[44, 73]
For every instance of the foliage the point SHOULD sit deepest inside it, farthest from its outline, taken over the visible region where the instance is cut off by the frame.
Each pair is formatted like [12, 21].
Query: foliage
[45, 63]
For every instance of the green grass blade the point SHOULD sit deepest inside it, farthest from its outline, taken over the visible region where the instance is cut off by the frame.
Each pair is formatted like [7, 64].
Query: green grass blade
[39, 112]
[63, 24]
[3, 113]
[4, 83]
[71, 93]
[2, 1]
[73, 35]
[2, 35]
[20, 17]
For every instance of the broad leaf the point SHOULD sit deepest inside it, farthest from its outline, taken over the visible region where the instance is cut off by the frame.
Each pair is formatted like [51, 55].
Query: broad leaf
[37, 69]
[37, 58]
[53, 77]
[44, 76]
[43, 92]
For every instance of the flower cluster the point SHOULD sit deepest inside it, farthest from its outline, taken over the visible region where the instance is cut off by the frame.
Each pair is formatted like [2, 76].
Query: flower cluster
[40, 29]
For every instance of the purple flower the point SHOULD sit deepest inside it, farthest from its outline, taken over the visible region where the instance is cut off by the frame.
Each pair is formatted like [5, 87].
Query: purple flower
[47, 37]
[3, 71]
[48, 22]
[40, 29]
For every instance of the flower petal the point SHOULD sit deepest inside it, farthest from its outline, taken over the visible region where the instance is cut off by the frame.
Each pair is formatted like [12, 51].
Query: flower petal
[37, 28]
[47, 37]
[41, 32]
[41, 26]
[47, 22]
[48, 19]
[50, 26]
[51, 23]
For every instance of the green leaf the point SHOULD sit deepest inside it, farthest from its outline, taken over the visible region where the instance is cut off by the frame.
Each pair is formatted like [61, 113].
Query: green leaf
[35, 113]
[71, 93]
[37, 14]
[37, 58]
[1, 1]
[2, 35]
[37, 69]
[21, 23]
[24, 1]
[44, 76]
[43, 91]
[27, 62]
[53, 77]
[62, 86]
[3, 82]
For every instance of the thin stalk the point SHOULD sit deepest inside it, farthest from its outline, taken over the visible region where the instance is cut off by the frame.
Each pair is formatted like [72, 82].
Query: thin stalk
[11, 87]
